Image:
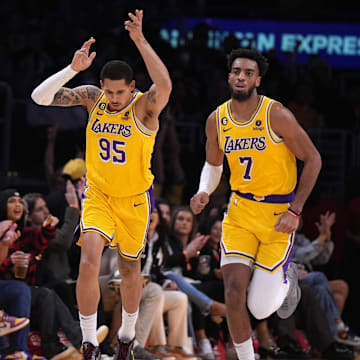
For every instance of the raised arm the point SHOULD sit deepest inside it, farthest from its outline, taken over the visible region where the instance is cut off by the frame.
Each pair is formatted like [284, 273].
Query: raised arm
[285, 125]
[155, 99]
[212, 170]
[51, 91]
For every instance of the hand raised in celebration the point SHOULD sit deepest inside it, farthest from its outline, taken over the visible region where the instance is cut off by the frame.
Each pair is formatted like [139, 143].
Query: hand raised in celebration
[134, 26]
[50, 222]
[81, 60]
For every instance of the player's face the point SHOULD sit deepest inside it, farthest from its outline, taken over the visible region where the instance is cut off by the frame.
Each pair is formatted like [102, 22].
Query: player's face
[39, 213]
[183, 223]
[15, 208]
[118, 93]
[243, 78]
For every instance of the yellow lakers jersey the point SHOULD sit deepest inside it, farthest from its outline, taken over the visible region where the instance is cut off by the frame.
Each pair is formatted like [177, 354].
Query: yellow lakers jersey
[118, 150]
[260, 162]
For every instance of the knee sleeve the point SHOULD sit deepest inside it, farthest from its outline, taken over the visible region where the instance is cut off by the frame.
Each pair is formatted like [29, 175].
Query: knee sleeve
[266, 292]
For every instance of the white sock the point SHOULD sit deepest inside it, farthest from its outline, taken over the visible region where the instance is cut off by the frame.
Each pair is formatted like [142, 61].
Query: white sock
[88, 324]
[127, 328]
[245, 350]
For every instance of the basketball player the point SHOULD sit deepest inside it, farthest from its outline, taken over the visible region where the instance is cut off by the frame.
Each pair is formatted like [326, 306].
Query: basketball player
[261, 140]
[117, 201]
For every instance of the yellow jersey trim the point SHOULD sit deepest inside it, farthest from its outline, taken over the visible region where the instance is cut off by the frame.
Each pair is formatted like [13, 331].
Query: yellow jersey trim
[253, 116]
[282, 261]
[217, 114]
[141, 127]
[274, 138]
[96, 104]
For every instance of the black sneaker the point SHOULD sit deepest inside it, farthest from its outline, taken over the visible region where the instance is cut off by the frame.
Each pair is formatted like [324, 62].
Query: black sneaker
[292, 351]
[273, 352]
[57, 351]
[125, 350]
[336, 351]
[90, 352]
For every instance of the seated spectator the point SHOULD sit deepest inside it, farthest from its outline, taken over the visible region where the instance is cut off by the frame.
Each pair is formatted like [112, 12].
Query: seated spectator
[30, 246]
[184, 250]
[175, 303]
[152, 296]
[331, 294]
[165, 209]
[15, 299]
[53, 270]
[309, 317]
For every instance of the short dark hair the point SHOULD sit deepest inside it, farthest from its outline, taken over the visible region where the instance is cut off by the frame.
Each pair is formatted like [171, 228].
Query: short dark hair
[117, 70]
[251, 54]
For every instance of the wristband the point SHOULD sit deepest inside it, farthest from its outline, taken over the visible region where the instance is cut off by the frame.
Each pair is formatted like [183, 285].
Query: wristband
[187, 260]
[210, 178]
[293, 213]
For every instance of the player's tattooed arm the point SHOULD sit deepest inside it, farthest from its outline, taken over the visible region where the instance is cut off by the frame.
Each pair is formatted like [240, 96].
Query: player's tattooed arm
[83, 95]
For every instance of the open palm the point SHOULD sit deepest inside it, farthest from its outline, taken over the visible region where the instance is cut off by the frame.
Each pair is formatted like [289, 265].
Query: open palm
[82, 60]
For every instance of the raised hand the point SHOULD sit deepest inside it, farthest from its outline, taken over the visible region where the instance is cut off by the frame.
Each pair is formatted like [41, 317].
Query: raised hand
[327, 220]
[196, 244]
[134, 26]
[50, 222]
[70, 194]
[81, 60]
[8, 232]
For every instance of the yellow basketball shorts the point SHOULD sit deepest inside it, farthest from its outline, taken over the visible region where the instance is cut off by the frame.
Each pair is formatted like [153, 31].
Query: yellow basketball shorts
[247, 231]
[122, 221]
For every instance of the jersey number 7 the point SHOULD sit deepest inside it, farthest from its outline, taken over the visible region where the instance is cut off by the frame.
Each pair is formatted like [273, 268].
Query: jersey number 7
[248, 162]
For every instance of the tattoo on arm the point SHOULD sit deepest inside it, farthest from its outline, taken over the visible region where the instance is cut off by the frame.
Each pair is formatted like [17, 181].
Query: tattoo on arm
[68, 97]
[77, 96]
[92, 93]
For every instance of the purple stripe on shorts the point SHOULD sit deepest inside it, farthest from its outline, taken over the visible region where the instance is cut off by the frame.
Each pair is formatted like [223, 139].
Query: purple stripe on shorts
[152, 198]
[286, 264]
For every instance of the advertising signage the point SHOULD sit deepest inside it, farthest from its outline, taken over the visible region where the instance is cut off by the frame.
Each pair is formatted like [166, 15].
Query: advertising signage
[338, 44]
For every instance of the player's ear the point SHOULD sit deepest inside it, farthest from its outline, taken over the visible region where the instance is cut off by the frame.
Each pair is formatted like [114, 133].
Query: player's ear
[102, 84]
[132, 86]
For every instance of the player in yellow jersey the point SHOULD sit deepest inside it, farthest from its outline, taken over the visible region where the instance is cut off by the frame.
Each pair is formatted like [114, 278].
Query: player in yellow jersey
[261, 140]
[117, 201]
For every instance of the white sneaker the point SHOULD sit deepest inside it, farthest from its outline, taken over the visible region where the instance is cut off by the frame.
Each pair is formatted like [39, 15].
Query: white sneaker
[205, 350]
[293, 296]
